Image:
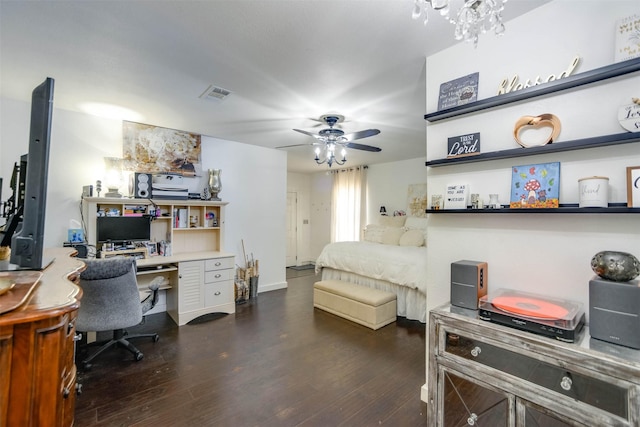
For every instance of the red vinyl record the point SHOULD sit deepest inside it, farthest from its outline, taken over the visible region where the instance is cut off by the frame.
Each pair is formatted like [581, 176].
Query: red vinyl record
[530, 307]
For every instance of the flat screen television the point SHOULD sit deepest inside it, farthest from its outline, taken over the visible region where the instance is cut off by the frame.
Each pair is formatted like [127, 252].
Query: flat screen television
[25, 228]
[119, 229]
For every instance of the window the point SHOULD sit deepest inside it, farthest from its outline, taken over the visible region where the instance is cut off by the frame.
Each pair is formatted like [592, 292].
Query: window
[348, 204]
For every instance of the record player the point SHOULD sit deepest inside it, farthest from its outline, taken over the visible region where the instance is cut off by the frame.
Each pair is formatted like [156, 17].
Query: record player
[555, 318]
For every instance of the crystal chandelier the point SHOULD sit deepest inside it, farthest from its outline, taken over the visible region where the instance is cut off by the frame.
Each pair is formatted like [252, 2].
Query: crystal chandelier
[329, 156]
[473, 18]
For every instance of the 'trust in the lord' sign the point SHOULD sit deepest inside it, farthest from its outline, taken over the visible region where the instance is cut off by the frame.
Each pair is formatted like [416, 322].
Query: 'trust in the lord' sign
[463, 145]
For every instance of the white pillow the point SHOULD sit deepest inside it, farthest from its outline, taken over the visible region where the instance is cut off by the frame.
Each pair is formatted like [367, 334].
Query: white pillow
[373, 233]
[417, 223]
[391, 235]
[412, 238]
[392, 221]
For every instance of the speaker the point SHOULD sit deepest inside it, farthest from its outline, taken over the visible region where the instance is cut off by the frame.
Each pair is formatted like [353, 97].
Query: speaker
[141, 185]
[469, 282]
[614, 311]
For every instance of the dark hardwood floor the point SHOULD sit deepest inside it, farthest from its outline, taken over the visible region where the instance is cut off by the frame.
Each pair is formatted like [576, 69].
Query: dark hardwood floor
[276, 362]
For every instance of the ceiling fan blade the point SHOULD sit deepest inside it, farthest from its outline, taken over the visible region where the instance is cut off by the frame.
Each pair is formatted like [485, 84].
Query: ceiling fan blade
[297, 145]
[361, 134]
[315, 135]
[362, 147]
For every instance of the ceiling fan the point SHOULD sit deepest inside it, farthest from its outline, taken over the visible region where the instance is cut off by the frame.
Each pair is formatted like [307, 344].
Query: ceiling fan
[332, 138]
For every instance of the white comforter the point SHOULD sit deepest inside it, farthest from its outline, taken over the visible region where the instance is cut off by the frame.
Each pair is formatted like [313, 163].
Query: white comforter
[402, 265]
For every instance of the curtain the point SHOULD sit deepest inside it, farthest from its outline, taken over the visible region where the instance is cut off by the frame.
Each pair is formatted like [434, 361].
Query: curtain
[348, 203]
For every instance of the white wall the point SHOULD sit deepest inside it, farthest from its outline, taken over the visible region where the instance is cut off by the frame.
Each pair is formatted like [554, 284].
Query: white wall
[547, 254]
[388, 185]
[253, 181]
[321, 185]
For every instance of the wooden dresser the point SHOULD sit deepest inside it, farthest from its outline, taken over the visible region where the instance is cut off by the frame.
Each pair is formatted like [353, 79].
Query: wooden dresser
[37, 368]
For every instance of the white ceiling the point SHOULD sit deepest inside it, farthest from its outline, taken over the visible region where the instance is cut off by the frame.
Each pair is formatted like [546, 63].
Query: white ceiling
[285, 62]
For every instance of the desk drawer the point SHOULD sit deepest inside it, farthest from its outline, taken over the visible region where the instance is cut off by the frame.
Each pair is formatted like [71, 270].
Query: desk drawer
[218, 275]
[218, 293]
[608, 397]
[218, 264]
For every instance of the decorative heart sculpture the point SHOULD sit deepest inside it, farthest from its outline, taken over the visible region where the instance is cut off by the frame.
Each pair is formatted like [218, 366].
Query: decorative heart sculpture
[536, 122]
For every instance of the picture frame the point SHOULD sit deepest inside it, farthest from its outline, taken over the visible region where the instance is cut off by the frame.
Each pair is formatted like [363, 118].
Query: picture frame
[633, 186]
[436, 202]
[155, 149]
[627, 32]
[535, 186]
[463, 145]
[460, 91]
[457, 196]
[152, 248]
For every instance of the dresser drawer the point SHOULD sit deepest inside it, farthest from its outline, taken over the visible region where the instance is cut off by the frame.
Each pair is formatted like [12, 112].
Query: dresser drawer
[217, 275]
[218, 264]
[606, 396]
[218, 293]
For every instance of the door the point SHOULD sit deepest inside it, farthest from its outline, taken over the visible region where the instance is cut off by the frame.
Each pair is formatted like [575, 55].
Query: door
[292, 229]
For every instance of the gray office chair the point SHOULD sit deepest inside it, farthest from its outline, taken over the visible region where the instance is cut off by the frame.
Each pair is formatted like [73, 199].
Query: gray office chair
[111, 302]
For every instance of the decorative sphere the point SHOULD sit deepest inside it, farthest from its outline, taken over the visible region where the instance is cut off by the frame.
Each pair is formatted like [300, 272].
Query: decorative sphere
[616, 266]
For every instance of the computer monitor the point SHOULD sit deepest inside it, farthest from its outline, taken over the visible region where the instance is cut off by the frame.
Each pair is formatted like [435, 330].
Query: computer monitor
[119, 229]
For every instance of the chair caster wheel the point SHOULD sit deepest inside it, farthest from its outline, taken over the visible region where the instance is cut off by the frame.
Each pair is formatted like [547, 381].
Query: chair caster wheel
[156, 337]
[138, 356]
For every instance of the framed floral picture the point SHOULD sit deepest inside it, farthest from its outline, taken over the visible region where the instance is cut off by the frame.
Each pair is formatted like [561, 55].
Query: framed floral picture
[535, 186]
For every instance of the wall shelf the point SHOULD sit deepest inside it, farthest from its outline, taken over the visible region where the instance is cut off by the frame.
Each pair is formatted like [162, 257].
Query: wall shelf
[614, 208]
[576, 144]
[588, 77]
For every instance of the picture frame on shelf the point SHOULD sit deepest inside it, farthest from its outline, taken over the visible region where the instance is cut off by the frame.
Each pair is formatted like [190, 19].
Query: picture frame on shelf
[460, 91]
[627, 38]
[457, 196]
[152, 248]
[463, 145]
[535, 186]
[633, 186]
[436, 202]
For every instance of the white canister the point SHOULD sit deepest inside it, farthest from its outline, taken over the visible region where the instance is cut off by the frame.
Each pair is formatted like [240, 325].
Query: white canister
[594, 192]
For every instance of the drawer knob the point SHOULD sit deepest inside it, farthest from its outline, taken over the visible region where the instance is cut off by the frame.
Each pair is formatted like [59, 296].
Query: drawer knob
[566, 383]
[217, 293]
[218, 264]
[475, 352]
[218, 276]
[472, 418]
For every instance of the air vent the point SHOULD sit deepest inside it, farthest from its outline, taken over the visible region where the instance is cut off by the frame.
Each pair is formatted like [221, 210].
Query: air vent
[215, 93]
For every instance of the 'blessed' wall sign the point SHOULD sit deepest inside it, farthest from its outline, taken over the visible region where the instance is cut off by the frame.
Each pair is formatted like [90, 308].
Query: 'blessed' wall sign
[463, 145]
[511, 84]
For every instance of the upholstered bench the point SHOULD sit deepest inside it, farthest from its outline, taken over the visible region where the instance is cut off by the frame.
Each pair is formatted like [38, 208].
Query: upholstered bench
[370, 307]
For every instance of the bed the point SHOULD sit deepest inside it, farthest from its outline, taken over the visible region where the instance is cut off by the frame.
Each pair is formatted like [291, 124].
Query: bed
[391, 257]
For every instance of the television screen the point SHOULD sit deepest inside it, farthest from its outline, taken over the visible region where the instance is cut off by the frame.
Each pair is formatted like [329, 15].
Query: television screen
[27, 239]
[123, 228]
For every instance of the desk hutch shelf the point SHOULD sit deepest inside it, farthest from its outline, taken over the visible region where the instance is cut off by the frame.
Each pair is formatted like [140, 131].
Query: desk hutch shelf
[198, 274]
